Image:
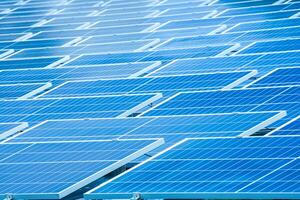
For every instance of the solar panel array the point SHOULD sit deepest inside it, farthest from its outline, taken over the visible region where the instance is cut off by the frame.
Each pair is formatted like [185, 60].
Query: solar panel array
[200, 98]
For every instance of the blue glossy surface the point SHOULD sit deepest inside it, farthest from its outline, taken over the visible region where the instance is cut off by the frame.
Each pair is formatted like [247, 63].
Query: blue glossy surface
[216, 166]
[280, 77]
[167, 85]
[58, 166]
[171, 128]
[95, 107]
[241, 100]
[62, 74]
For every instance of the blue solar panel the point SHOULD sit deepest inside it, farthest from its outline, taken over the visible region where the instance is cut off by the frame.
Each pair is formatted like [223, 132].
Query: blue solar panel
[227, 101]
[279, 77]
[34, 44]
[10, 37]
[171, 128]
[262, 62]
[263, 25]
[62, 168]
[93, 48]
[290, 128]
[272, 46]
[254, 10]
[31, 63]
[164, 55]
[86, 71]
[233, 168]
[196, 41]
[8, 129]
[69, 108]
[93, 31]
[166, 84]
[22, 91]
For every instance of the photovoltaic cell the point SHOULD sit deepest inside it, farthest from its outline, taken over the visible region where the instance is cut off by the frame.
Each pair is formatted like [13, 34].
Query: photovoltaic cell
[31, 63]
[22, 91]
[265, 25]
[171, 128]
[264, 63]
[233, 168]
[62, 168]
[146, 56]
[165, 84]
[272, 46]
[228, 101]
[290, 128]
[87, 71]
[279, 77]
[38, 110]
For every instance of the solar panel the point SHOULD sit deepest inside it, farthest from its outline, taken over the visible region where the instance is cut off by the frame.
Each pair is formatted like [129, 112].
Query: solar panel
[279, 77]
[145, 56]
[229, 38]
[162, 35]
[62, 168]
[94, 31]
[37, 110]
[30, 63]
[86, 71]
[22, 91]
[255, 9]
[171, 128]
[264, 63]
[233, 168]
[92, 48]
[272, 46]
[8, 129]
[165, 84]
[34, 44]
[290, 128]
[228, 20]
[227, 101]
[263, 25]
[10, 37]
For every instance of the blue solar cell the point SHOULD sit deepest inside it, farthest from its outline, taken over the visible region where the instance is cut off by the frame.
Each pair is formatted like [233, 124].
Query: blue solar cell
[90, 48]
[263, 63]
[18, 24]
[166, 84]
[263, 25]
[290, 128]
[63, 168]
[243, 168]
[219, 39]
[22, 91]
[94, 31]
[193, 23]
[82, 72]
[164, 55]
[70, 108]
[279, 77]
[239, 100]
[200, 65]
[171, 128]
[255, 9]
[34, 44]
[8, 129]
[10, 37]
[30, 63]
[38, 29]
[272, 46]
